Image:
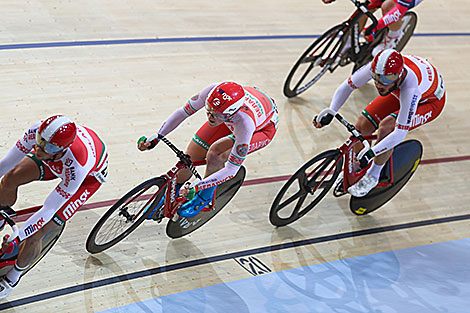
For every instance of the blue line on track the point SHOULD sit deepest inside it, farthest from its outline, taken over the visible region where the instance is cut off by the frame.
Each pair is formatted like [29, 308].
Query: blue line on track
[223, 257]
[180, 39]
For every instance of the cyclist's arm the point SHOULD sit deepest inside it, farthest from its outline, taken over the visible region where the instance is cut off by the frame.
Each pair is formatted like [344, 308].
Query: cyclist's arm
[409, 99]
[58, 197]
[393, 15]
[243, 131]
[22, 147]
[356, 80]
[192, 106]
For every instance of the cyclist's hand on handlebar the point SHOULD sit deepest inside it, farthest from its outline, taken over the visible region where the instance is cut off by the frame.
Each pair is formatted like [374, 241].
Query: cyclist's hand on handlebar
[365, 156]
[324, 118]
[328, 1]
[145, 143]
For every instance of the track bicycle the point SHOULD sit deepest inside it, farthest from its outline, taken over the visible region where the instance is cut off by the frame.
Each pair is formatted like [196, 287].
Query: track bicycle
[311, 182]
[7, 260]
[134, 207]
[324, 54]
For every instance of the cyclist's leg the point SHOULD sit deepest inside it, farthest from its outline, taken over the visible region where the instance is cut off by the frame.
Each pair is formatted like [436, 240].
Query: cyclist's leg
[201, 144]
[370, 118]
[43, 221]
[23, 173]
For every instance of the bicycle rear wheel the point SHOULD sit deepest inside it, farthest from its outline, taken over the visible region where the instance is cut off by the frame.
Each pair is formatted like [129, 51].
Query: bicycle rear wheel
[305, 189]
[319, 56]
[409, 20]
[406, 158]
[125, 215]
[48, 242]
[223, 194]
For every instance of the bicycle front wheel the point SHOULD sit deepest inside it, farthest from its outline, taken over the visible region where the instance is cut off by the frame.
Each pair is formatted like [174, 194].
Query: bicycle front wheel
[314, 62]
[305, 189]
[125, 215]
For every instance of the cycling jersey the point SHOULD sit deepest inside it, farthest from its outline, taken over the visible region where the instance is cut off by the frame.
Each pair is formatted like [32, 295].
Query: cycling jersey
[422, 86]
[82, 169]
[258, 114]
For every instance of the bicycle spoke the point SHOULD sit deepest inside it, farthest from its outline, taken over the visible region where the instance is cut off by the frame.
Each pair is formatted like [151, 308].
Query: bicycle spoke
[291, 199]
[310, 67]
[299, 205]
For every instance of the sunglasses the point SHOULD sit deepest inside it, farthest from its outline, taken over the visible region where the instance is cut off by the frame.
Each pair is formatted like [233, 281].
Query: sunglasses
[385, 79]
[47, 146]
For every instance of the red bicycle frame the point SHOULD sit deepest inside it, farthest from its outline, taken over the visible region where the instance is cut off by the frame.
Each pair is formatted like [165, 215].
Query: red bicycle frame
[172, 200]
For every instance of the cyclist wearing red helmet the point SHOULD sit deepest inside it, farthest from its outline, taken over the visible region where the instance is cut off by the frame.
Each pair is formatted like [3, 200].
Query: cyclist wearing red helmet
[240, 120]
[53, 148]
[412, 93]
[392, 13]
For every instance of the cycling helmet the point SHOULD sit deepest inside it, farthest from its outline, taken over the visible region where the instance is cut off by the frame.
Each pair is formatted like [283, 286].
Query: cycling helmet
[56, 133]
[225, 99]
[387, 66]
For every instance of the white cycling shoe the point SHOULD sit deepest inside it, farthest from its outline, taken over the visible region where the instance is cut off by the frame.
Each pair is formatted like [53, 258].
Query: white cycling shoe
[5, 288]
[363, 186]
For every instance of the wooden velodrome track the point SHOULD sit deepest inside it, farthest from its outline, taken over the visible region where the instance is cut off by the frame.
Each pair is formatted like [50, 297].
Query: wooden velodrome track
[107, 65]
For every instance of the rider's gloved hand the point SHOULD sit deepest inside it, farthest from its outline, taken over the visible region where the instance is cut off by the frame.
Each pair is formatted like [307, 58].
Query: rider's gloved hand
[364, 157]
[369, 33]
[324, 118]
[145, 143]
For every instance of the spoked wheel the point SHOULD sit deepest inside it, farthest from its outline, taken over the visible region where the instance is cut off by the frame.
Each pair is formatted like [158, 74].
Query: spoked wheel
[304, 190]
[406, 158]
[125, 215]
[409, 20]
[223, 194]
[314, 62]
[48, 242]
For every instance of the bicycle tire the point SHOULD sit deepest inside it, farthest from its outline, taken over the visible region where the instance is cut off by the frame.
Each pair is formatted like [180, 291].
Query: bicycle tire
[411, 19]
[403, 169]
[328, 37]
[329, 160]
[224, 193]
[48, 242]
[135, 200]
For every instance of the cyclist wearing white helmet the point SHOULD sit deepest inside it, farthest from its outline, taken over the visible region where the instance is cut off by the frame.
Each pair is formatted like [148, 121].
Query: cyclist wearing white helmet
[53, 148]
[412, 93]
[240, 120]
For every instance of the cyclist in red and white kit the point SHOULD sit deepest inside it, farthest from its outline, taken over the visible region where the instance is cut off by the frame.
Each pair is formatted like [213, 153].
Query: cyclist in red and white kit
[412, 93]
[240, 120]
[392, 12]
[53, 148]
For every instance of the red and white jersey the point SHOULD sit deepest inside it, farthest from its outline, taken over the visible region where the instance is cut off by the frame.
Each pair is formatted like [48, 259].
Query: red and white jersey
[258, 110]
[422, 82]
[86, 156]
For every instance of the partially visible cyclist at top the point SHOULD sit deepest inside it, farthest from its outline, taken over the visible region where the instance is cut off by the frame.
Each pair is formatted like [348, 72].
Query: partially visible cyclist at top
[240, 120]
[411, 94]
[54, 148]
[392, 11]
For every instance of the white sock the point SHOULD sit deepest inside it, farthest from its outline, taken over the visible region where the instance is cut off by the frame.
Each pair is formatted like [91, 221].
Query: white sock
[15, 273]
[394, 34]
[375, 170]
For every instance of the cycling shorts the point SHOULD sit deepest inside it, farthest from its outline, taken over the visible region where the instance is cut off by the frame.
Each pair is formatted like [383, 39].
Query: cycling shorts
[207, 135]
[382, 107]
